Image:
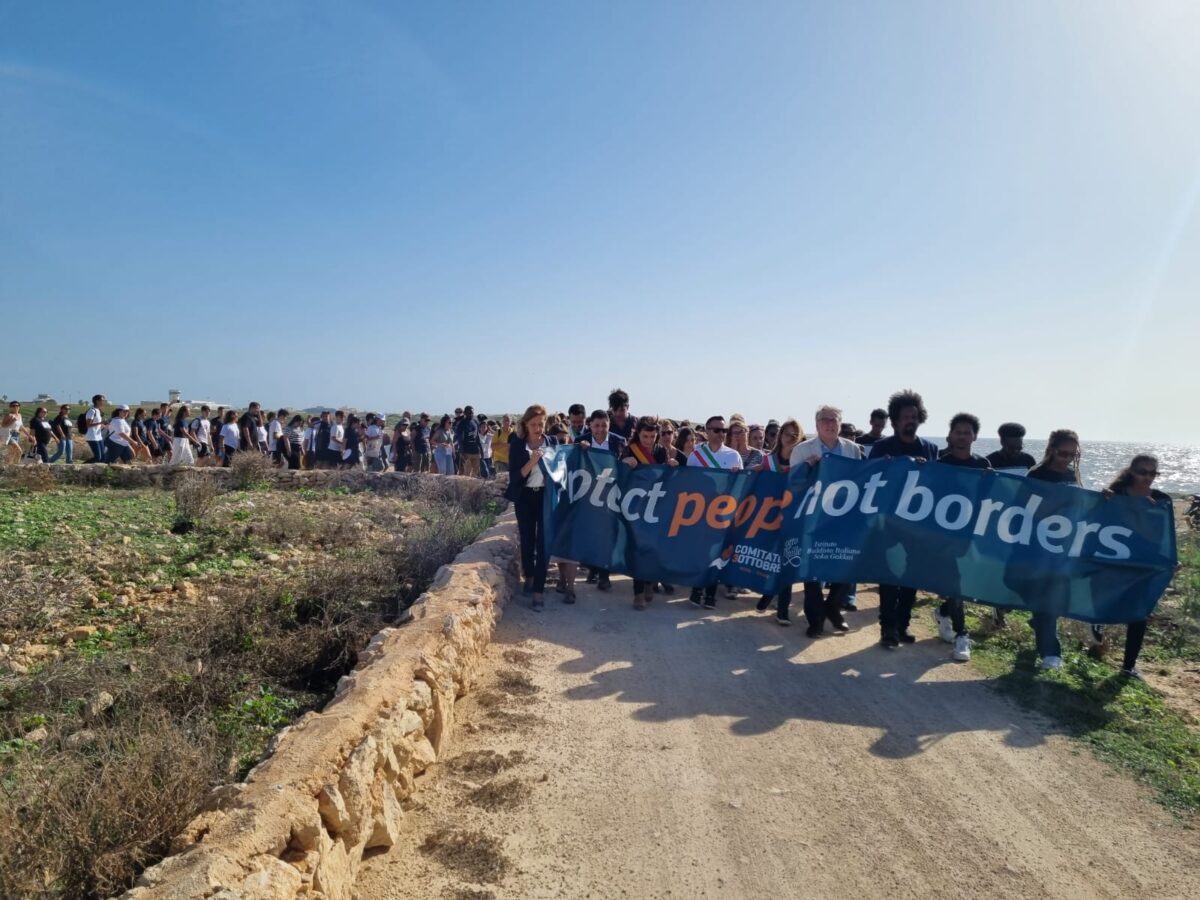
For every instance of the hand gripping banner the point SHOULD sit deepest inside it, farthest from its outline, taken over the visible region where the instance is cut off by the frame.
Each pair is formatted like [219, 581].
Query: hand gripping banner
[992, 537]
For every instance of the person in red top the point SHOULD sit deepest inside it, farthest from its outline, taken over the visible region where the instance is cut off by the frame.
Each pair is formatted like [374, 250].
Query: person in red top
[645, 450]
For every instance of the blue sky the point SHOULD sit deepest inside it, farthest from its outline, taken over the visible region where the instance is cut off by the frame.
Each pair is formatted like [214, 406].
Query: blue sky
[751, 207]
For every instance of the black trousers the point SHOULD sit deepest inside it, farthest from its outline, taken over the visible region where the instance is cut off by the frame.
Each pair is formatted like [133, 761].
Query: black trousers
[953, 607]
[1134, 635]
[895, 607]
[710, 593]
[819, 606]
[533, 537]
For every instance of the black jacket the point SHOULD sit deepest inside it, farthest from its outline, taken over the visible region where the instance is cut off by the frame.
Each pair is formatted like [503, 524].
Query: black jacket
[518, 456]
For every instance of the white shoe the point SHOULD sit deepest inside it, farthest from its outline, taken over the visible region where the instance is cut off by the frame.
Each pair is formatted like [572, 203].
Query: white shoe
[944, 626]
[1051, 662]
[962, 648]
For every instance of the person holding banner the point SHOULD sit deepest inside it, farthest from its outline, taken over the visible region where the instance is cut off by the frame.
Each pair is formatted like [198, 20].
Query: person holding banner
[713, 454]
[779, 460]
[599, 437]
[906, 411]
[1135, 480]
[685, 443]
[1059, 465]
[645, 451]
[950, 616]
[1012, 456]
[526, 484]
[819, 605]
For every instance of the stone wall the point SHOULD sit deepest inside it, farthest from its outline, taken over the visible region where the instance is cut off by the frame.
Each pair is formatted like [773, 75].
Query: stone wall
[334, 785]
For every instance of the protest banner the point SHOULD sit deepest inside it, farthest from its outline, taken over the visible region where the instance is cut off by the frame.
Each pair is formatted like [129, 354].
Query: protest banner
[993, 537]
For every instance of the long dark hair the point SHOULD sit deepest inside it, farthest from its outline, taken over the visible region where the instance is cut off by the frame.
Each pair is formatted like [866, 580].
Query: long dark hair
[1058, 437]
[681, 437]
[1125, 477]
[181, 415]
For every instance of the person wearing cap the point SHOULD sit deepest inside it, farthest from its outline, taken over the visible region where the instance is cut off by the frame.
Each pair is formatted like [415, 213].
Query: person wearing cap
[466, 440]
[121, 442]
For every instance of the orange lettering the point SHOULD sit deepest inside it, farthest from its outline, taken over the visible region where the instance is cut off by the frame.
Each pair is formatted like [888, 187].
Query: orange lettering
[681, 519]
[760, 521]
[722, 505]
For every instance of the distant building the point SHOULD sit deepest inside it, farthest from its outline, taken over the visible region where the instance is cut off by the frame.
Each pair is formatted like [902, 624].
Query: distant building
[174, 395]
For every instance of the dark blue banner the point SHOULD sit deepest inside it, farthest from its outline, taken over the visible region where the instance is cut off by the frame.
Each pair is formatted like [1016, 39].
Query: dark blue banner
[993, 537]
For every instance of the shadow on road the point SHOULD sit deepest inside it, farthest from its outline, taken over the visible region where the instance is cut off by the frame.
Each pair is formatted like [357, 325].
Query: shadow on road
[675, 661]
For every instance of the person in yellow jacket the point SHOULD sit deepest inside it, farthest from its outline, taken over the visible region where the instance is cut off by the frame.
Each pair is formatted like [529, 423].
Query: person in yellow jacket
[500, 444]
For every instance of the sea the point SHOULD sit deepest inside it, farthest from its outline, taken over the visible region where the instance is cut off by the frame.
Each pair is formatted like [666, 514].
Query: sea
[1100, 461]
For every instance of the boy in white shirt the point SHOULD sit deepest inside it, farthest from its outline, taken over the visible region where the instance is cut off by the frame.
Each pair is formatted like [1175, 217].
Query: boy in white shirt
[713, 454]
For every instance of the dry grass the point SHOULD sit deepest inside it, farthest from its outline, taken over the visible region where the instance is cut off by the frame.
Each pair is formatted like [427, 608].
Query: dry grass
[83, 821]
[89, 798]
[195, 496]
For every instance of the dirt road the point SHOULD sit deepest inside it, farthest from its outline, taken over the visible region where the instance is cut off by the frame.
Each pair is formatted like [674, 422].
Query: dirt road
[683, 753]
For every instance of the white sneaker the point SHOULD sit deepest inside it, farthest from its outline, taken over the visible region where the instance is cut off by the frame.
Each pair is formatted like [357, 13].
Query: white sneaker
[1051, 662]
[962, 648]
[944, 626]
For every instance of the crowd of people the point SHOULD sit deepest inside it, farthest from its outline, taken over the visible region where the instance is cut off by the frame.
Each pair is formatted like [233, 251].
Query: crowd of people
[475, 446]
[462, 444]
[738, 446]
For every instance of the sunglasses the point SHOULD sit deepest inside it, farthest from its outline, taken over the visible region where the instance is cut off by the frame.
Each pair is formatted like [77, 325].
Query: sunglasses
[1146, 473]
[716, 430]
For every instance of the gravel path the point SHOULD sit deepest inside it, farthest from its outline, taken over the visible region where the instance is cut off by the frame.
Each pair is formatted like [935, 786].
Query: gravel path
[684, 753]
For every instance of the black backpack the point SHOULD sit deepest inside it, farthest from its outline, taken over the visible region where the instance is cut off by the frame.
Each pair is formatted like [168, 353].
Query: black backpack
[81, 424]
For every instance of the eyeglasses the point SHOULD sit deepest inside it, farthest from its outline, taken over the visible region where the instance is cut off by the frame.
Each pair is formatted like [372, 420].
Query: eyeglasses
[1146, 473]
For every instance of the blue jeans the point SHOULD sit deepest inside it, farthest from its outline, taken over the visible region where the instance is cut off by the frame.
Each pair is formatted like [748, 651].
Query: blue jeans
[97, 451]
[1045, 634]
[69, 448]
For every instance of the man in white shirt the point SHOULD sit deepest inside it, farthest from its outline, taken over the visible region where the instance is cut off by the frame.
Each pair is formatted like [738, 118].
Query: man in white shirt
[337, 437]
[373, 445]
[201, 429]
[94, 419]
[819, 606]
[598, 436]
[274, 435]
[713, 454]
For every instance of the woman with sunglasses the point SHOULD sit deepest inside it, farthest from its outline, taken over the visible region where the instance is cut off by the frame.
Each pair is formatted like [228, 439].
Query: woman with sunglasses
[1135, 480]
[1059, 465]
[645, 450]
[779, 460]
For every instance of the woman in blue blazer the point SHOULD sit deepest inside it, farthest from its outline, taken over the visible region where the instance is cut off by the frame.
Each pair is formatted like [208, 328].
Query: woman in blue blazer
[526, 489]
